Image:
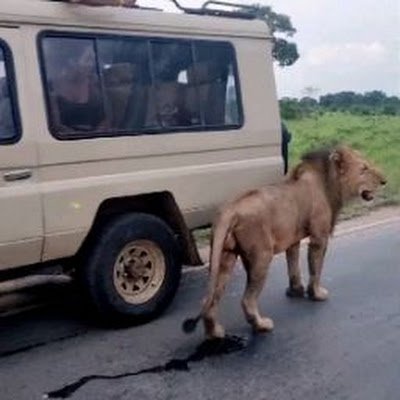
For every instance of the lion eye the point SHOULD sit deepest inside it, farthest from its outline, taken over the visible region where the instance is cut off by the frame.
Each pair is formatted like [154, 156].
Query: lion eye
[364, 168]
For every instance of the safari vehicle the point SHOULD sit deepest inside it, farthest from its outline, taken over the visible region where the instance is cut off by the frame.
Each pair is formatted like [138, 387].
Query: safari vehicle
[121, 131]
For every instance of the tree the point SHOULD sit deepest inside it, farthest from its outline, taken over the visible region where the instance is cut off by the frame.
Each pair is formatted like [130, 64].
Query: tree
[341, 100]
[290, 108]
[284, 51]
[308, 102]
[369, 103]
[374, 98]
[391, 106]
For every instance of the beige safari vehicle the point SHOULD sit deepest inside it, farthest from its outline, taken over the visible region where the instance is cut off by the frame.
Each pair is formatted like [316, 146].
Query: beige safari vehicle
[121, 131]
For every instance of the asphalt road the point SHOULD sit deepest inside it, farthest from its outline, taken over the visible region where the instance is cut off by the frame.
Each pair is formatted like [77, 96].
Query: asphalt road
[346, 348]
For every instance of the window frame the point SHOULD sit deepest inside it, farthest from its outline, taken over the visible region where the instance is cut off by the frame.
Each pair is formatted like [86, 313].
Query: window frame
[12, 87]
[145, 131]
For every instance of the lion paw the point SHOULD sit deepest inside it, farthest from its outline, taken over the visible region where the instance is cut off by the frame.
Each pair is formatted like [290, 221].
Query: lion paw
[263, 325]
[295, 292]
[318, 294]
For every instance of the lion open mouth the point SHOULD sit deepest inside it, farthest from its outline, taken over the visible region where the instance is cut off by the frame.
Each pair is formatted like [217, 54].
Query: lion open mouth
[367, 195]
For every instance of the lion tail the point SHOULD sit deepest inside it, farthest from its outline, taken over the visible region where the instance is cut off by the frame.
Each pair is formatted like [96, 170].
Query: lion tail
[222, 227]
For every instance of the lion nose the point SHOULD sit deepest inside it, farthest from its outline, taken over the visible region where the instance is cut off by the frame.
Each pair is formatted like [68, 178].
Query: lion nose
[383, 182]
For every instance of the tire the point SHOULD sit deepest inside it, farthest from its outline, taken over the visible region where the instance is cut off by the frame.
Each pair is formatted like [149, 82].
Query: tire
[133, 270]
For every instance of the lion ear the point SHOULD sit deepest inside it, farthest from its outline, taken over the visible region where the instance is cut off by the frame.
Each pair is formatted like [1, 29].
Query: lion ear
[337, 158]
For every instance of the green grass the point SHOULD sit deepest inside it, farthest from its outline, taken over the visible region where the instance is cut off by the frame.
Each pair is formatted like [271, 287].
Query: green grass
[377, 137]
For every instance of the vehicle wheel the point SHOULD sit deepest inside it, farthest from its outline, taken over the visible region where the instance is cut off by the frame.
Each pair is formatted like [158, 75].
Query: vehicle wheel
[134, 269]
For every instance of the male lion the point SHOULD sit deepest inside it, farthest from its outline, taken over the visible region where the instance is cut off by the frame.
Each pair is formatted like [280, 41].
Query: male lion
[270, 220]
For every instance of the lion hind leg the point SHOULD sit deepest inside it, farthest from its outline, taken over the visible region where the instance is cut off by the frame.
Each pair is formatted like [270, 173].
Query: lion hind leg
[212, 327]
[257, 268]
[296, 288]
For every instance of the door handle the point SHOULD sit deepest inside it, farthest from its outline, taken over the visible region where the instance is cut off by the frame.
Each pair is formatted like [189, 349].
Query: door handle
[17, 175]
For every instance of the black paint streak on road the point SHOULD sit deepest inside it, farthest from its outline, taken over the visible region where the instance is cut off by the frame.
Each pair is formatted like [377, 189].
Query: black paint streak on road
[209, 348]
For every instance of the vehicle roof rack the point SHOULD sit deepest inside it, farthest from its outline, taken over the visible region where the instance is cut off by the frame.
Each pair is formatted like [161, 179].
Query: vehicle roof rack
[213, 8]
[135, 6]
[224, 9]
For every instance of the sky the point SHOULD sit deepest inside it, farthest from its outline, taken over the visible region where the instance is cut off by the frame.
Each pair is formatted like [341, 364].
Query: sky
[343, 44]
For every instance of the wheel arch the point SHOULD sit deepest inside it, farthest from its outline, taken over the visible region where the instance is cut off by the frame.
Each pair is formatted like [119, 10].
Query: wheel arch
[159, 204]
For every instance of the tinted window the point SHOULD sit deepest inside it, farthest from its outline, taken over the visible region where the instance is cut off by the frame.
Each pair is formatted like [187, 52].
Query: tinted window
[125, 68]
[9, 131]
[114, 85]
[174, 89]
[215, 75]
[73, 83]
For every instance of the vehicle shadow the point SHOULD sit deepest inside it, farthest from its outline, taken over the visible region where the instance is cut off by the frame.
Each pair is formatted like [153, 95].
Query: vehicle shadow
[59, 313]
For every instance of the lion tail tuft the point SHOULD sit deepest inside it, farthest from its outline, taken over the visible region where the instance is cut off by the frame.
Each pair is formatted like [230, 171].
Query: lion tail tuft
[190, 324]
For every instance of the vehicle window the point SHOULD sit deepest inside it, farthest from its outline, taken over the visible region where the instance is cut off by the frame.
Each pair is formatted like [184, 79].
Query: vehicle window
[73, 84]
[111, 85]
[215, 75]
[175, 93]
[8, 114]
[125, 69]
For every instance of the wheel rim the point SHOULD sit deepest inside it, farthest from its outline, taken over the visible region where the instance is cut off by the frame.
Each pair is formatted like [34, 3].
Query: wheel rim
[139, 271]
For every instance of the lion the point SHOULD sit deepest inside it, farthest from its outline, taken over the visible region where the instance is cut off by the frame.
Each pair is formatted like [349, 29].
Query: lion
[267, 221]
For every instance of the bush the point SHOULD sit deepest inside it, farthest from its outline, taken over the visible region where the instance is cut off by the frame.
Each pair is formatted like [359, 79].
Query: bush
[290, 109]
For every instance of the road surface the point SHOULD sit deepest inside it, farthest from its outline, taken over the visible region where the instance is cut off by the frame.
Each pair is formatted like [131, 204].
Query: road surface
[346, 348]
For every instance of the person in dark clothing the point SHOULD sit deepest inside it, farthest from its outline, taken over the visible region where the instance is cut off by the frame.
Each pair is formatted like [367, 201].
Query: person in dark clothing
[83, 116]
[286, 137]
[77, 104]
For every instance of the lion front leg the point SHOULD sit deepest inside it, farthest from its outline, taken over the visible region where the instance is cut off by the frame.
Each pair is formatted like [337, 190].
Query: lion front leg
[316, 253]
[296, 288]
